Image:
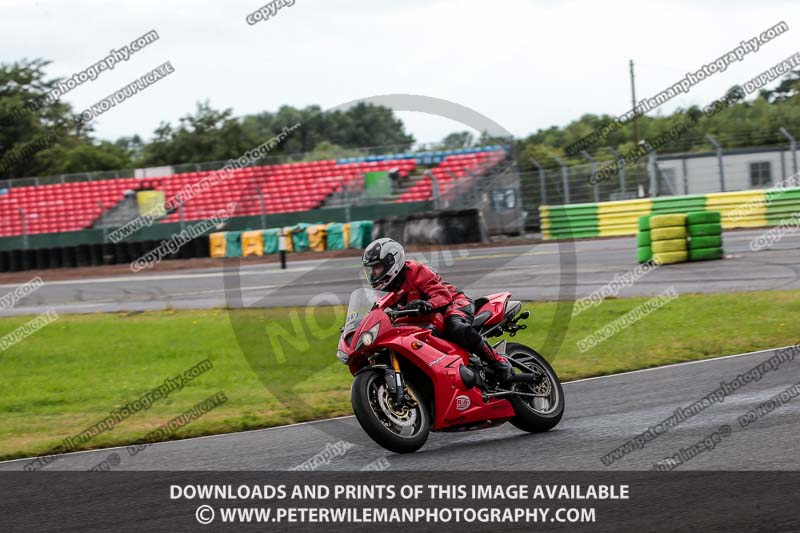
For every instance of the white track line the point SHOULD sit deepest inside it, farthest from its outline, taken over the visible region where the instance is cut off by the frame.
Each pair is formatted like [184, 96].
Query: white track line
[685, 363]
[177, 275]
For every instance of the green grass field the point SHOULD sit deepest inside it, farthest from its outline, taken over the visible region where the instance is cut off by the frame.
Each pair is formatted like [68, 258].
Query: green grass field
[74, 371]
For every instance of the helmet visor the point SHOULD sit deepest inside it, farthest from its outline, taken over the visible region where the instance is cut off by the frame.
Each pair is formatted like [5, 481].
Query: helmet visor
[374, 272]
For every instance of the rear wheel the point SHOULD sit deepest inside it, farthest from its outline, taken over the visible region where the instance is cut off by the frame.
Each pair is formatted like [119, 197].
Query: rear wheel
[400, 429]
[544, 409]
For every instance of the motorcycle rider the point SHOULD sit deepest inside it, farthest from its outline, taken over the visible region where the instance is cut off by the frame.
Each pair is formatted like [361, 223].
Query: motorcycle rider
[417, 286]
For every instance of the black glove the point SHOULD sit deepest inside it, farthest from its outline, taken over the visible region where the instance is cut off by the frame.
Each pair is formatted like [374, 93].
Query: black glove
[421, 306]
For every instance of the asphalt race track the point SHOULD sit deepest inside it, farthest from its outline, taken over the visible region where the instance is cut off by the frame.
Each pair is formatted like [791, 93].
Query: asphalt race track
[601, 414]
[534, 272]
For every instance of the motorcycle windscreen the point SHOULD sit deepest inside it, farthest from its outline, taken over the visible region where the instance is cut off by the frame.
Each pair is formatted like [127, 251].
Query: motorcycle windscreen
[361, 303]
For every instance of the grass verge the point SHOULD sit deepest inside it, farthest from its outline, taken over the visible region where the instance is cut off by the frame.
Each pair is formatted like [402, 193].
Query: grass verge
[73, 372]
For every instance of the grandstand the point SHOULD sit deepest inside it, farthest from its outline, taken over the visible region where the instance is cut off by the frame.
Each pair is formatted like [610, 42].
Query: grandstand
[286, 187]
[452, 169]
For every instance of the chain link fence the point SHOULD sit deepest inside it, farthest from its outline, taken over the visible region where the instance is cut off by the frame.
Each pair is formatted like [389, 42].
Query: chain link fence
[722, 170]
[573, 185]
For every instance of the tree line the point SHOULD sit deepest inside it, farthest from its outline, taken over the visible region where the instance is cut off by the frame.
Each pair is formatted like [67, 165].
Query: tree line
[41, 137]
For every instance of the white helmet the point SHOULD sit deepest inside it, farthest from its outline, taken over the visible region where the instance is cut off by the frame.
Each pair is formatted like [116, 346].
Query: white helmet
[383, 260]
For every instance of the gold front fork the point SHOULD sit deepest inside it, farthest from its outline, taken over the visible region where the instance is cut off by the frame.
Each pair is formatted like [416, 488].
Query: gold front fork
[395, 362]
[400, 381]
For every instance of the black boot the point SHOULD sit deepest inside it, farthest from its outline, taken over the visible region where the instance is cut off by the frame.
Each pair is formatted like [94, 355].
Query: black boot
[502, 369]
[497, 363]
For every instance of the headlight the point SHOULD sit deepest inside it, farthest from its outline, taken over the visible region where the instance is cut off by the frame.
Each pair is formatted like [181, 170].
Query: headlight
[369, 336]
[343, 357]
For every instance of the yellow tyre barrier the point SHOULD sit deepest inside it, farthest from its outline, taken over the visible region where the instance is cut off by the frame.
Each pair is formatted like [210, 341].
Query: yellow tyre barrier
[663, 221]
[667, 258]
[665, 234]
[252, 243]
[671, 245]
[216, 243]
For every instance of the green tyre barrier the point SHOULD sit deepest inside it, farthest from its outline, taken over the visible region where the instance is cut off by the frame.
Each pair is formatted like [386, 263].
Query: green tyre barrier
[698, 230]
[643, 238]
[665, 234]
[704, 254]
[704, 217]
[271, 240]
[667, 258]
[361, 233]
[663, 221]
[233, 244]
[672, 245]
[708, 241]
[644, 222]
[334, 237]
[644, 254]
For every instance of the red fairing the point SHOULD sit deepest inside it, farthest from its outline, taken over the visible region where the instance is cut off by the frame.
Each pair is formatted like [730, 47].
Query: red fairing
[439, 359]
[496, 306]
[435, 319]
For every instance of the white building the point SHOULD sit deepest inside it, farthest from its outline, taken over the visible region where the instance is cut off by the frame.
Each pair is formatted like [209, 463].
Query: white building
[742, 168]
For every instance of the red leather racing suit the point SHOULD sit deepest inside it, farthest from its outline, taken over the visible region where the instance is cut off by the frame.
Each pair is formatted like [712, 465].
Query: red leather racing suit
[420, 282]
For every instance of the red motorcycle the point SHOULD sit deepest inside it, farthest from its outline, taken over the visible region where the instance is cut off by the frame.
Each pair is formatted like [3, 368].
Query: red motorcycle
[409, 380]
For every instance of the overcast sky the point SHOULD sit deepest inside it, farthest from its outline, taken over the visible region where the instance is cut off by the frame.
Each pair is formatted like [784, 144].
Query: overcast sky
[525, 64]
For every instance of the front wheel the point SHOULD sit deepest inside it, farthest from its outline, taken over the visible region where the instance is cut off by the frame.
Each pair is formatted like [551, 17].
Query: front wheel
[543, 408]
[400, 429]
